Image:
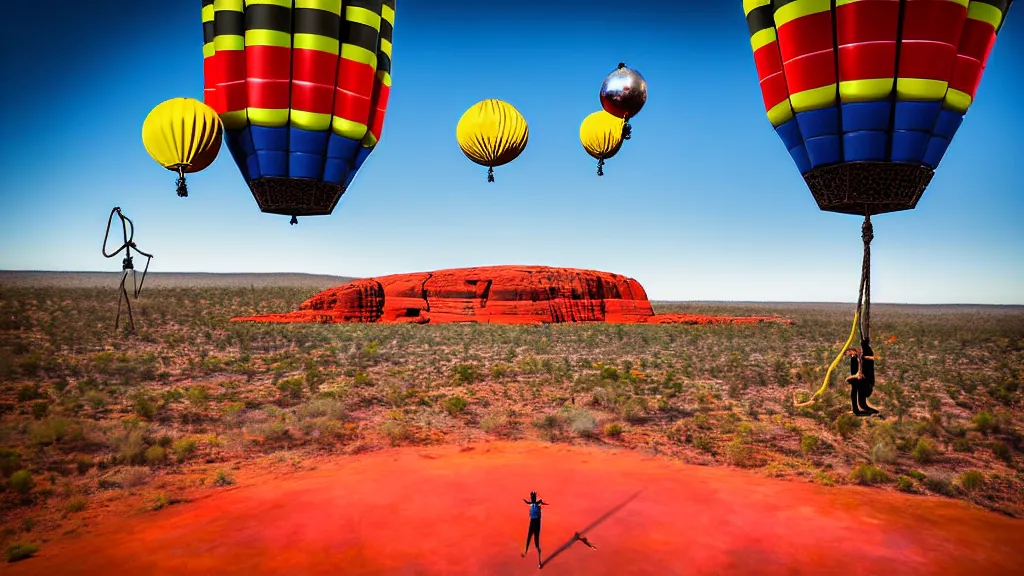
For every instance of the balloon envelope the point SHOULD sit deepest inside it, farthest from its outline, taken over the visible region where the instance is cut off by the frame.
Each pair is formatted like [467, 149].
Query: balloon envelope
[182, 133]
[867, 94]
[601, 134]
[492, 133]
[302, 89]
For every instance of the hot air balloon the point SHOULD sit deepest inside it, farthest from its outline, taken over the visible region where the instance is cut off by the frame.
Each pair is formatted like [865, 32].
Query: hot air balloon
[492, 133]
[623, 94]
[601, 136]
[182, 135]
[867, 95]
[302, 88]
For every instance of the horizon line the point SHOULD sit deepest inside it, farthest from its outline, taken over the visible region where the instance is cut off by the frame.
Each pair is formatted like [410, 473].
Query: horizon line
[652, 300]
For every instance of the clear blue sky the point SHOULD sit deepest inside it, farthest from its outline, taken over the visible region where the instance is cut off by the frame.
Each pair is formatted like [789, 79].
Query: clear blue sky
[703, 203]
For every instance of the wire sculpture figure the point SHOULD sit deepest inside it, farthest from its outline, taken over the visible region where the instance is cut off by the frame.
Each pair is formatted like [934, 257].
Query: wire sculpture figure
[127, 265]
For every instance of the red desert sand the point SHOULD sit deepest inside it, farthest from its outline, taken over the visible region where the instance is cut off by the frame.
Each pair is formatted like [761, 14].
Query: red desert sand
[452, 510]
[491, 294]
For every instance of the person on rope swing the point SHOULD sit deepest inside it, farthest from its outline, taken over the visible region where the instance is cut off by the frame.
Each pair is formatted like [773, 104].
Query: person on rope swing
[861, 379]
[534, 531]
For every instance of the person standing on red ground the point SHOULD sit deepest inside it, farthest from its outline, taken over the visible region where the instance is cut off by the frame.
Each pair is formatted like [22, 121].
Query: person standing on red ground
[534, 531]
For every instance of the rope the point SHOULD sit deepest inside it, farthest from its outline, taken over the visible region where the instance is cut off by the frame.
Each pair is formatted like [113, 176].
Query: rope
[861, 318]
[182, 188]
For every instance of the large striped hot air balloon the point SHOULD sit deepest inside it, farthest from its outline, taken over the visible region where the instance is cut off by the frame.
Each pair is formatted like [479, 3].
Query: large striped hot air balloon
[301, 87]
[867, 96]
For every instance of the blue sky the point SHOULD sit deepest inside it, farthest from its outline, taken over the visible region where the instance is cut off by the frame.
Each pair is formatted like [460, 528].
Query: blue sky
[703, 203]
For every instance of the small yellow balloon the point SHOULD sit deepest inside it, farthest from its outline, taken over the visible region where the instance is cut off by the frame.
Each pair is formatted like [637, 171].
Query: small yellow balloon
[182, 135]
[492, 133]
[601, 136]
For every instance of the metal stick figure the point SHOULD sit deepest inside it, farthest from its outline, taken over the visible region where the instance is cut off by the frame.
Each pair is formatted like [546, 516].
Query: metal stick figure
[126, 264]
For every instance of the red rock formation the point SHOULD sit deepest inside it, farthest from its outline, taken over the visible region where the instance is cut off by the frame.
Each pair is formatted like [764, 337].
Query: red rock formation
[491, 294]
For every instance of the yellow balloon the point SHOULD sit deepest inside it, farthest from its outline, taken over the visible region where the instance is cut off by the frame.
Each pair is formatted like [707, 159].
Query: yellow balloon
[601, 136]
[182, 135]
[492, 133]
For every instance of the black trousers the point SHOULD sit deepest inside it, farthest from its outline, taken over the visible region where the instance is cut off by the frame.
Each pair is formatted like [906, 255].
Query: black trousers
[534, 532]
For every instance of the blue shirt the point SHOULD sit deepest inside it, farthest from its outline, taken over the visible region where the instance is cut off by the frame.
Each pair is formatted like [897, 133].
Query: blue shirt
[534, 510]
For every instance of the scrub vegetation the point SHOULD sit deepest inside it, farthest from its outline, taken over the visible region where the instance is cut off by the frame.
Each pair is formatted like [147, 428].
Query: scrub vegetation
[89, 417]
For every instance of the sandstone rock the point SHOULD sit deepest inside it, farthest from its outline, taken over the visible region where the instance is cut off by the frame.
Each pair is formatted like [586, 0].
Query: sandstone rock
[489, 294]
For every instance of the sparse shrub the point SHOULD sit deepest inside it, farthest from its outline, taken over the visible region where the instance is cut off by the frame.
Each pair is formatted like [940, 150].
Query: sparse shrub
[500, 370]
[131, 447]
[498, 424]
[22, 482]
[454, 405]
[917, 475]
[633, 409]
[199, 396]
[53, 431]
[985, 423]
[19, 551]
[904, 484]
[582, 422]
[868, 475]
[223, 479]
[397, 429]
[40, 408]
[1002, 451]
[847, 424]
[925, 451]
[155, 455]
[160, 501]
[362, 379]
[29, 392]
[76, 504]
[739, 453]
[962, 445]
[144, 406]
[883, 453]
[610, 373]
[972, 480]
[133, 476]
[10, 461]
[808, 443]
[291, 388]
[704, 443]
[939, 485]
[183, 448]
[465, 373]
[613, 430]
[83, 463]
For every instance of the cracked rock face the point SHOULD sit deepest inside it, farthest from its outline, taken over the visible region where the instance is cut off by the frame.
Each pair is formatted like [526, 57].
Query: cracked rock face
[491, 294]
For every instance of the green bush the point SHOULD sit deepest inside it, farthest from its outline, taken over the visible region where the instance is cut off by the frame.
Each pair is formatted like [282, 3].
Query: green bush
[613, 430]
[985, 422]
[183, 448]
[454, 404]
[972, 480]
[16, 552]
[847, 424]
[869, 475]
[155, 455]
[10, 461]
[925, 451]
[22, 482]
[904, 484]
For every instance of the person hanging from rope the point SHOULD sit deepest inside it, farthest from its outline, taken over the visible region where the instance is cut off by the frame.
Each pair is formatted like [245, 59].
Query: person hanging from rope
[861, 379]
[534, 531]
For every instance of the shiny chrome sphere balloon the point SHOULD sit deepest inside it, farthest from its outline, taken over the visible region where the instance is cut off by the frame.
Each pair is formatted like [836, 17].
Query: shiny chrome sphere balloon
[624, 92]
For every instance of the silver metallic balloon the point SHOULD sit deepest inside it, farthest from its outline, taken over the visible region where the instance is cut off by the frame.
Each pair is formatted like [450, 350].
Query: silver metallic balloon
[624, 92]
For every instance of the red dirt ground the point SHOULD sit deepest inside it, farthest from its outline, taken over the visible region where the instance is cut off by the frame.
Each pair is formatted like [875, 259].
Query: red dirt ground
[447, 510]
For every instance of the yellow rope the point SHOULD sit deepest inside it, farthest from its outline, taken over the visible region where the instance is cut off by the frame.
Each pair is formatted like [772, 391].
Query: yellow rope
[839, 358]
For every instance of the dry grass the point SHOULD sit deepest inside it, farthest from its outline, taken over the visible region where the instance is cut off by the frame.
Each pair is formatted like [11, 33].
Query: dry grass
[87, 414]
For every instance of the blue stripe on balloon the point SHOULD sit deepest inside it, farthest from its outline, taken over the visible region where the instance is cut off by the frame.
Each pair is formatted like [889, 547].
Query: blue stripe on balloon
[947, 124]
[909, 146]
[790, 134]
[361, 156]
[271, 150]
[818, 123]
[864, 146]
[920, 116]
[799, 155]
[336, 170]
[236, 141]
[340, 147]
[859, 116]
[823, 150]
[937, 147]
[307, 153]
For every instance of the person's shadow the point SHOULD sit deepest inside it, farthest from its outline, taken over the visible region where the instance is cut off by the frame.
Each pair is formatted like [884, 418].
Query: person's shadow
[590, 527]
